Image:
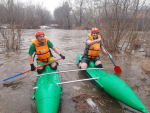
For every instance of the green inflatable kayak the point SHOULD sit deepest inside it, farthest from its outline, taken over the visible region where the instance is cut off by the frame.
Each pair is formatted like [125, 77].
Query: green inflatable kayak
[47, 92]
[115, 87]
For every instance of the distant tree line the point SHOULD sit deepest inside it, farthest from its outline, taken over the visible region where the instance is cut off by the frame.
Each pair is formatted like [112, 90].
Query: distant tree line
[86, 13]
[24, 15]
[18, 16]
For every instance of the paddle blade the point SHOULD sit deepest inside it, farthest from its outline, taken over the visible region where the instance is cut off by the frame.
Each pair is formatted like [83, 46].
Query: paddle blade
[117, 69]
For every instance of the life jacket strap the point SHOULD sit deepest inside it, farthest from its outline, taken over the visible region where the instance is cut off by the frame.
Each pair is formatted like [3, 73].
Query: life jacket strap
[44, 60]
[93, 56]
[93, 50]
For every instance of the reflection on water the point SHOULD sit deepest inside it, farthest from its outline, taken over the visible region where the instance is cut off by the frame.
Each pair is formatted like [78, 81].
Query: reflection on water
[13, 85]
[117, 74]
[16, 94]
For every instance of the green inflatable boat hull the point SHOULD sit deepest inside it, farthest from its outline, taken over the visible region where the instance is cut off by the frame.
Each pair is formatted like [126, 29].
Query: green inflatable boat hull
[115, 87]
[47, 95]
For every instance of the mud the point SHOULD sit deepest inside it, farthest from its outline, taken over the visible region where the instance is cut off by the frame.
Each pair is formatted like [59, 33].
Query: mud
[87, 103]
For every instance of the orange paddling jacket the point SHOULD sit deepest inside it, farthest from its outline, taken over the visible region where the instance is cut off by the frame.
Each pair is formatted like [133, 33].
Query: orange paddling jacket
[93, 50]
[42, 51]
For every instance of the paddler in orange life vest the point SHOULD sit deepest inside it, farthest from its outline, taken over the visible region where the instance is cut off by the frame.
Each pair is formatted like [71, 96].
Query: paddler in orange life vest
[41, 46]
[91, 52]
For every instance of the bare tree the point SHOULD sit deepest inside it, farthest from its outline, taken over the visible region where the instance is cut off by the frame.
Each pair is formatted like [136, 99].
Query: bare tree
[62, 15]
[77, 11]
[11, 37]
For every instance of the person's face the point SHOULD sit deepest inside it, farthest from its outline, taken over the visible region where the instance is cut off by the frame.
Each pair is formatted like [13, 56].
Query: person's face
[40, 38]
[95, 35]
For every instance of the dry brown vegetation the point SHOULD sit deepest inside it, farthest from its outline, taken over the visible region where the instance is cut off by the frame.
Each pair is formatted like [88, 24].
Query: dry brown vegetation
[11, 39]
[122, 23]
[82, 105]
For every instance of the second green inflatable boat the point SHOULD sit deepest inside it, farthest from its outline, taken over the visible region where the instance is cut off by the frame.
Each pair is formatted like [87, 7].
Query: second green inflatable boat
[115, 87]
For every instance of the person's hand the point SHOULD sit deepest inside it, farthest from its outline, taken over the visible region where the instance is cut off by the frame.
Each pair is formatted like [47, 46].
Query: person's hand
[110, 56]
[63, 57]
[98, 40]
[32, 67]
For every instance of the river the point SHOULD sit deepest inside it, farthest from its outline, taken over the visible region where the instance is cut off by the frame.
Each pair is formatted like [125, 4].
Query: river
[16, 94]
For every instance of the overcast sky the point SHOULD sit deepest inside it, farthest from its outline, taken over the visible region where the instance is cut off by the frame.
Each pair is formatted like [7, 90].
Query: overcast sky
[49, 4]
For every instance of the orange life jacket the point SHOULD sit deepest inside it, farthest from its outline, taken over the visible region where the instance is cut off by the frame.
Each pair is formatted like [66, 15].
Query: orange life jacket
[42, 51]
[93, 49]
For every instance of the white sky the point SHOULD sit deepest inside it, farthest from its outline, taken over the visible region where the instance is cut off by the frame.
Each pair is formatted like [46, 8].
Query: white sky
[49, 4]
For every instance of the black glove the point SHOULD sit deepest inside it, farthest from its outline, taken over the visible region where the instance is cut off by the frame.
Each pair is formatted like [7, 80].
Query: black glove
[63, 57]
[32, 67]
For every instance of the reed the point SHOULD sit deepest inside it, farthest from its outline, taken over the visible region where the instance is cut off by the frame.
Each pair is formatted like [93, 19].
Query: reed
[11, 39]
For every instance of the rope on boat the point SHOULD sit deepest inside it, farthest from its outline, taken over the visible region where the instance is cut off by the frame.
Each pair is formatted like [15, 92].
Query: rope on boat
[70, 71]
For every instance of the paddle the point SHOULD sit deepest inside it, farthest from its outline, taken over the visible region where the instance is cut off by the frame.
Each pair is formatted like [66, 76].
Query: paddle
[116, 68]
[30, 70]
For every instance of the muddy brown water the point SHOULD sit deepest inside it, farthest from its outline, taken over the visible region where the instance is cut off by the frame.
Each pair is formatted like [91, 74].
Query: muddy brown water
[16, 94]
